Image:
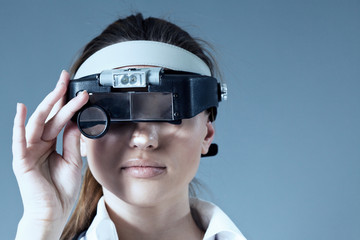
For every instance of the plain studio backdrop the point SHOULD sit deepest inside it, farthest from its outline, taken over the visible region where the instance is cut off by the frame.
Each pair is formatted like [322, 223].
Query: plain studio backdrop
[289, 135]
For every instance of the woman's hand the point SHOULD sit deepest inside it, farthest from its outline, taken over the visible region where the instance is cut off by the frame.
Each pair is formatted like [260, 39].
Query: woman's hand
[49, 182]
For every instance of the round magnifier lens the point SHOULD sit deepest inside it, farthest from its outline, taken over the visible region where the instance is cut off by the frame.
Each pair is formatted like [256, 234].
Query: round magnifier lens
[93, 122]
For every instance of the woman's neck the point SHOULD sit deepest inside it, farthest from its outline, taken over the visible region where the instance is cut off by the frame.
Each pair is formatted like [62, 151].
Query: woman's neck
[169, 219]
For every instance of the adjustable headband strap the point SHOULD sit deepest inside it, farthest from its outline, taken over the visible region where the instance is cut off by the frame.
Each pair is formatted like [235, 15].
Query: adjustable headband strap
[140, 52]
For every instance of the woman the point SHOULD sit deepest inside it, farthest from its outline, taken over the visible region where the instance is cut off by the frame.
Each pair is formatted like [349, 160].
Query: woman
[137, 183]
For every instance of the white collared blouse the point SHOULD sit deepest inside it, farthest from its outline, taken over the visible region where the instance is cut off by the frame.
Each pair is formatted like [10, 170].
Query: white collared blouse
[216, 223]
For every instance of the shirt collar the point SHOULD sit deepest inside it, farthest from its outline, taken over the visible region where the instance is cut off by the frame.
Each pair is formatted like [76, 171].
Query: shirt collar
[216, 223]
[101, 228]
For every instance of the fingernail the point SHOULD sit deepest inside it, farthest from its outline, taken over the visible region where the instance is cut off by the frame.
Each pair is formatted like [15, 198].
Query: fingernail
[81, 93]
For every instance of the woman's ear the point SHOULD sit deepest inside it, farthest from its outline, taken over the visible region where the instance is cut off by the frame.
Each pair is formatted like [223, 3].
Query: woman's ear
[83, 150]
[209, 137]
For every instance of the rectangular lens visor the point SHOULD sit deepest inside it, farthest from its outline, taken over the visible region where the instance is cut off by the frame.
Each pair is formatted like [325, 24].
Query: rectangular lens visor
[135, 106]
[151, 106]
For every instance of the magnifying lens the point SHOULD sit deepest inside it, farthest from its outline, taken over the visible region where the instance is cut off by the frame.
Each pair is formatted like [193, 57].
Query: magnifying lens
[93, 121]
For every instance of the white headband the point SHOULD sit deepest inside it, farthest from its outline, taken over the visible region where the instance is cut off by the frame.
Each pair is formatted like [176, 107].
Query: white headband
[142, 53]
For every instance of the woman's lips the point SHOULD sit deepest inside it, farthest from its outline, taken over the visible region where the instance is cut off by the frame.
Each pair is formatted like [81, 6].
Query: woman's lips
[143, 168]
[144, 171]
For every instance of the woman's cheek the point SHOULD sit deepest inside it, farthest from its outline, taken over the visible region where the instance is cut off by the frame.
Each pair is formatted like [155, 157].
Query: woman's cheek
[103, 159]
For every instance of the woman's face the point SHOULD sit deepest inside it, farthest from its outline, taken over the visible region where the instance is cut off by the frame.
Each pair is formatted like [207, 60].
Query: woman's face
[144, 163]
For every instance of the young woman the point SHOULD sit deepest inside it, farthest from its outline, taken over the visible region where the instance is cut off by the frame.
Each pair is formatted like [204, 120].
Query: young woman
[136, 185]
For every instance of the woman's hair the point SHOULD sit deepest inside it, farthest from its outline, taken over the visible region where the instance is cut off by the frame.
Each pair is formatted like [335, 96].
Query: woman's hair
[134, 27]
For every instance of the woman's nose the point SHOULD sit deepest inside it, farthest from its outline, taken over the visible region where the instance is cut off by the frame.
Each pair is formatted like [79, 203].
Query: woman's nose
[145, 136]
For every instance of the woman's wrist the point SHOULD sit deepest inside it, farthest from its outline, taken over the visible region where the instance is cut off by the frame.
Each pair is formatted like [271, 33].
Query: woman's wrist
[40, 229]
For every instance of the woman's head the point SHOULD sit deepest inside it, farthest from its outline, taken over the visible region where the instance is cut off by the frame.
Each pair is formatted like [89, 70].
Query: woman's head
[113, 151]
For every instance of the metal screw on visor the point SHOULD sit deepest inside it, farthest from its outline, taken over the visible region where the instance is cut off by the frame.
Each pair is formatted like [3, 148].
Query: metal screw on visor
[93, 122]
[223, 91]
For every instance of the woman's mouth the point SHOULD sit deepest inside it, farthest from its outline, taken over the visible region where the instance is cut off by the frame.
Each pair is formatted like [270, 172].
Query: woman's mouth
[143, 169]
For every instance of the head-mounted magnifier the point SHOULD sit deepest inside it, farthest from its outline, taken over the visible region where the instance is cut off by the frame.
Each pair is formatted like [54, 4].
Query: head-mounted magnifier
[142, 95]
[150, 94]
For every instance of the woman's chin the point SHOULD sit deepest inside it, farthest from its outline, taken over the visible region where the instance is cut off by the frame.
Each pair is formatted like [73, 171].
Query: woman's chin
[141, 194]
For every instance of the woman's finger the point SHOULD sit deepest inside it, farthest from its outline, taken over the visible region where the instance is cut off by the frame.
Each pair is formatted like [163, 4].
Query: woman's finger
[71, 144]
[60, 103]
[53, 127]
[34, 128]
[19, 140]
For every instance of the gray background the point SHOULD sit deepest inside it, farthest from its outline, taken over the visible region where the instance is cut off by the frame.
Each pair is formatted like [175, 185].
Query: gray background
[289, 161]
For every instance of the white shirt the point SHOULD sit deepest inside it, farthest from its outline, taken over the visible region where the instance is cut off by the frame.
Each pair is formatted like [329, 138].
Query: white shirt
[217, 224]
